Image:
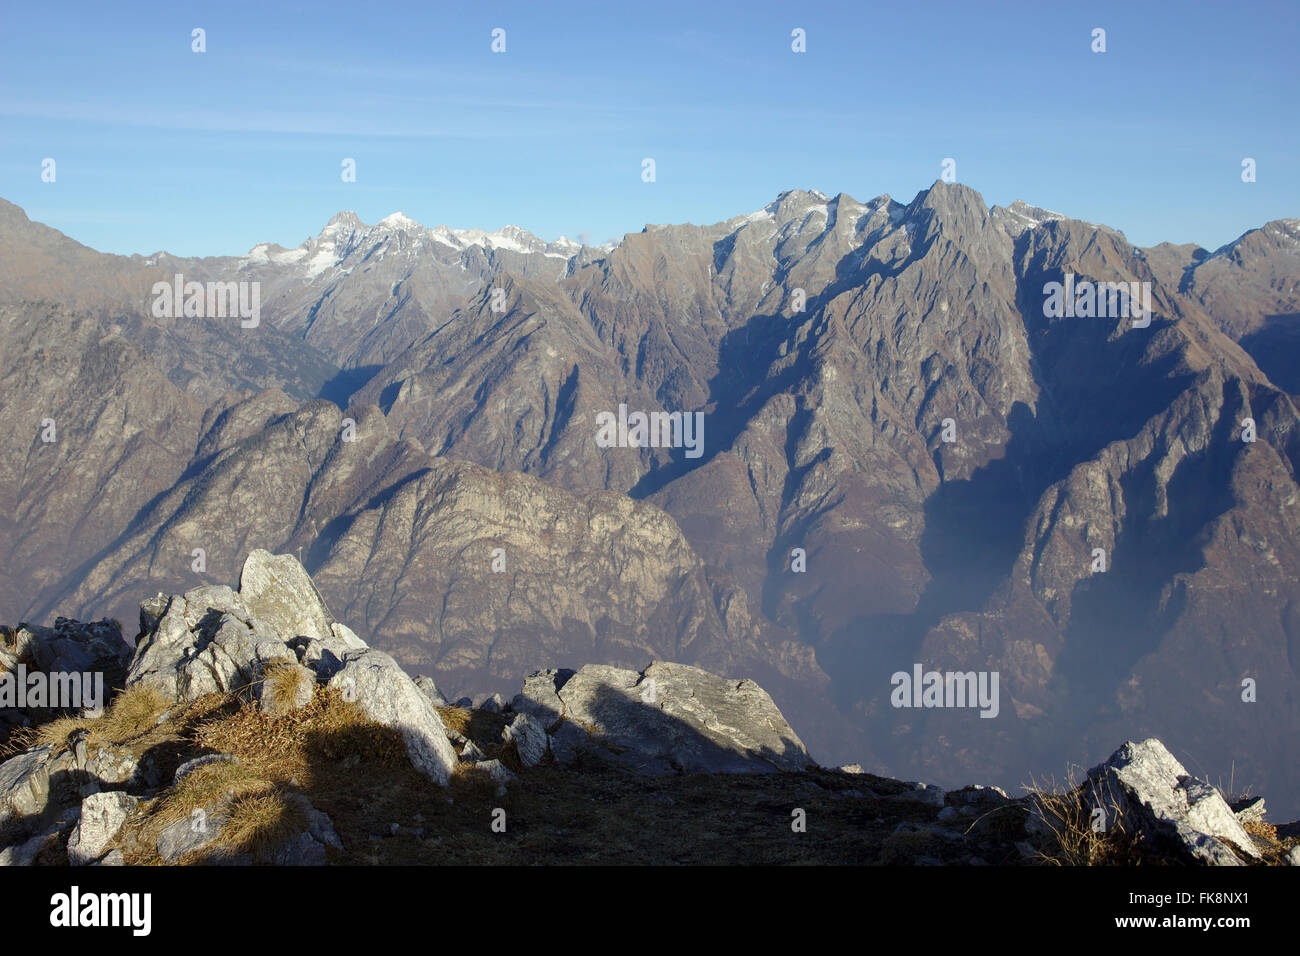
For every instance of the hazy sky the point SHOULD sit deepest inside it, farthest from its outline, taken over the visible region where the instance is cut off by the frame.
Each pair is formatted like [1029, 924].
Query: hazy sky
[158, 147]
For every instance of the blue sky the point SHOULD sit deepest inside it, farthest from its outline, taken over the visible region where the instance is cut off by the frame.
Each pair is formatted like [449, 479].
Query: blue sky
[158, 147]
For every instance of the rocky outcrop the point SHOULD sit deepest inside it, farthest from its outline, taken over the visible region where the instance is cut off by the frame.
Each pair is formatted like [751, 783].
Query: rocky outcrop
[205, 642]
[276, 640]
[67, 669]
[213, 639]
[669, 718]
[73, 647]
[1142, 788]
[629, 733]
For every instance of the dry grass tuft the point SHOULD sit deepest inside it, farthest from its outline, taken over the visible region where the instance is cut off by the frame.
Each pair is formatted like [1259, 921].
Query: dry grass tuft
[293, 746]
[210, 785]
[133, 713]
[281, 682]
[1074, 842]
[455, 718]
[258, 824]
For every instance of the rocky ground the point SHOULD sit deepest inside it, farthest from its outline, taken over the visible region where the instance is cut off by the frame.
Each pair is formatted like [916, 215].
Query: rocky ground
[254, 728]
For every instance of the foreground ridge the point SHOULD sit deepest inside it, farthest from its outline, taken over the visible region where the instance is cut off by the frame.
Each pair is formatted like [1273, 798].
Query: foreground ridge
[254, 727]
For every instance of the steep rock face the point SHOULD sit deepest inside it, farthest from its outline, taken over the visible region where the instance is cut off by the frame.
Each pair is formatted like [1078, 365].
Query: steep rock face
[99, 432]
[1195, 528]
[406, 549]
[516, 389]
[1251, 289]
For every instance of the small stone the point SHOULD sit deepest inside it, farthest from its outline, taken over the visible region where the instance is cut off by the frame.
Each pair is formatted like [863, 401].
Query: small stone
[102, 815]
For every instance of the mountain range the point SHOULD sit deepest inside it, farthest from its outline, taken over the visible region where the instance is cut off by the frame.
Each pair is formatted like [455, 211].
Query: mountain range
[907, 460]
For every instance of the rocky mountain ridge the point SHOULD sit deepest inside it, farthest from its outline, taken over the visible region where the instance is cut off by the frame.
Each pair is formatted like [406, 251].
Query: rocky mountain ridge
[826, 342]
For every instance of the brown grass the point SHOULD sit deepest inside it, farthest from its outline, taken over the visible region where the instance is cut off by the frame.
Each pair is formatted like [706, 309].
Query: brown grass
[1073, 842]
[281, 681]
[258, 824]
[134, 711]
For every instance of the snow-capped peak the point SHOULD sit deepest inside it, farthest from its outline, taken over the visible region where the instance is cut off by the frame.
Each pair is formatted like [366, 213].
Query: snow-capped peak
[345, 232]
[399, 220]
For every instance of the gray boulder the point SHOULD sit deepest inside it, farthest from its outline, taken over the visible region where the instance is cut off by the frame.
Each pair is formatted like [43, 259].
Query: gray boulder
[43, 781]
[25, 783]
[194, 832]
[568, 742]
[498, 771]
[202, 645]
[102, 816]
[307, 848]
[540, 695]
[672, 718]
[389, 697]
[1158, 799]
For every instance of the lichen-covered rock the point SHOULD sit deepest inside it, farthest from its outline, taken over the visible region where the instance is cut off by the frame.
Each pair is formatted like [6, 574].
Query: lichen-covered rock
[102, 815]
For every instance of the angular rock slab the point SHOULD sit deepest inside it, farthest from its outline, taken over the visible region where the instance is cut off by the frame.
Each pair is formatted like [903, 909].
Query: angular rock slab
[191, 833]
[41, 780]
[389, 697]
[1158, 798]
[529, 737]
[278, 590]
[673, 718]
